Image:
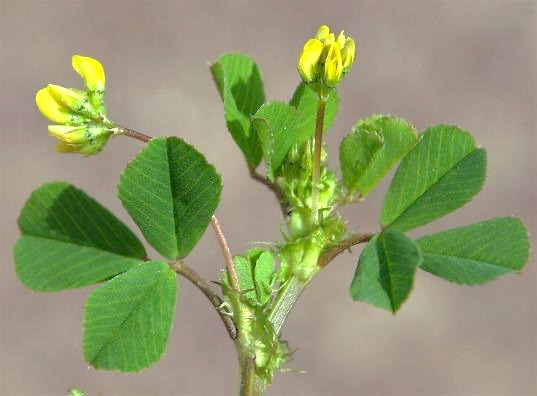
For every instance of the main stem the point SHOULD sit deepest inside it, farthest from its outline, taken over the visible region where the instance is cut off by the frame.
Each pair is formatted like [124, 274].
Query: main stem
[316, 174]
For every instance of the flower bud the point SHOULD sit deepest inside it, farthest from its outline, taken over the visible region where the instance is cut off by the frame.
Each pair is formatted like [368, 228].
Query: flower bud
[86, 140]
[325, 59]
[333, 66]
[348, 54]
[308, 63]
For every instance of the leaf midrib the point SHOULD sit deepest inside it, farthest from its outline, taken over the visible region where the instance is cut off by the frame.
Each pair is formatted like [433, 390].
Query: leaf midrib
[129, 315]
[494, 265]
[430, 188]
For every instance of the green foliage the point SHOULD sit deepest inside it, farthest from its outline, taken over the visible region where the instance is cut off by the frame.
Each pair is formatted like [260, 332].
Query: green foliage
[363, 174]
[476, 253]
[69, 240]
[442, 173]
[275, 123]
[171, 192]
[357, 153]
[255, 271]
[305, 100]
[385, 271]
[239, 82]
[127, 321]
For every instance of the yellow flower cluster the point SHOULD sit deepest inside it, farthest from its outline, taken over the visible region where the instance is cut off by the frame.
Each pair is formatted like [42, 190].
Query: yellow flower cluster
[326, 59]
[82, 126]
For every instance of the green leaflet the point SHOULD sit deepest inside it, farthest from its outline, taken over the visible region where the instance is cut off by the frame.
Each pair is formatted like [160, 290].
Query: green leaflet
[357, 153]
[171, 192]
[476, 253]
[239, 82]
[275, 123]
[442, 173]
[397, 136]
[127, 321]
[385, 272]
[281, 126]
[69, 240]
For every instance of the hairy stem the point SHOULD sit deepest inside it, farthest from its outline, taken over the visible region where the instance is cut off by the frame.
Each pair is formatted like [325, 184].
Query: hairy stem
[250, 383]
[135, 135]
[226, 253]
[204, 286]
[316, 174]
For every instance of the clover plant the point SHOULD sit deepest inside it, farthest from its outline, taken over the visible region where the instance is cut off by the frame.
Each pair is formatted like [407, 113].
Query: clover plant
[171, 192]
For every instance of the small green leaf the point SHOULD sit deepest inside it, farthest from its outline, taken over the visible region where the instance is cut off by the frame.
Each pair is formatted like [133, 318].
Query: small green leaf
[476, 253]
[255, 272]
[275, 123]
[69, 240]
[357, 153]
[127, 321]
[398, 137]
[239, 82]
[171, 192]
[442, 173]
[305, 100]
[245, 273]
[385, 272]
[263, 276]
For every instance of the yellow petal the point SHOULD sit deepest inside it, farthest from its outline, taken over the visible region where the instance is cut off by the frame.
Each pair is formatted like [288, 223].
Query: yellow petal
[333, 67]
[323, 32]
[308, 62]
[341, 39]
[91, 71]
[348, 54]
[69, 134]
[73, 100]
[49, 106]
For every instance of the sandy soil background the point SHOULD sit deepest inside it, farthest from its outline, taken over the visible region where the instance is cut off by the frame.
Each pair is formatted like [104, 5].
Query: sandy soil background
[472, 63]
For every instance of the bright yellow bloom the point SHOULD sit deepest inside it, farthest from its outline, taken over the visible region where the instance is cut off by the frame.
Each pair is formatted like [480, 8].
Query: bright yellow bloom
[325, 59]
[308, 63]
[86, 140]
[83, 127]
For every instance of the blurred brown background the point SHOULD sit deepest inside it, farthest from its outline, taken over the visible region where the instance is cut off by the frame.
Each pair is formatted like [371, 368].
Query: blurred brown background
[472, 63]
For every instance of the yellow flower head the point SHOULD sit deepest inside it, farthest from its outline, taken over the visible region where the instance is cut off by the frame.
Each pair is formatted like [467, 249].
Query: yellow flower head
[80, 115]
[325, 58]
